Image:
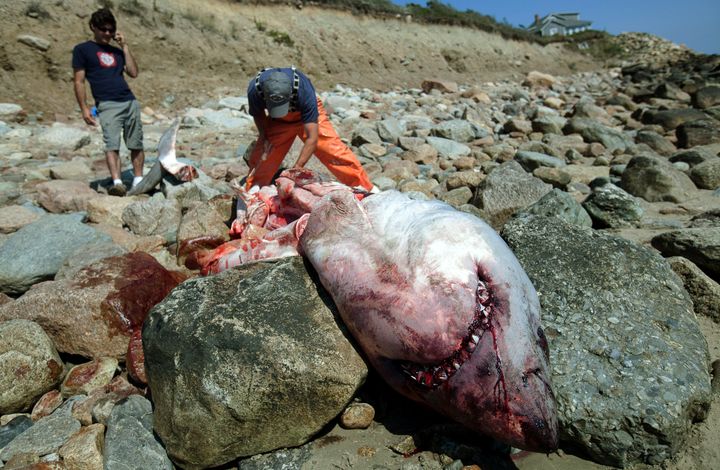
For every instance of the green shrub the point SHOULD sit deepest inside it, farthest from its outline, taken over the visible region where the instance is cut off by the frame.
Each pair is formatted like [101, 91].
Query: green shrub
[281, 38]
[598, 44]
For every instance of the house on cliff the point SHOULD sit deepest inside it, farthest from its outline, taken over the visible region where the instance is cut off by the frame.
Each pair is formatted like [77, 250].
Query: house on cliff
[558, 23]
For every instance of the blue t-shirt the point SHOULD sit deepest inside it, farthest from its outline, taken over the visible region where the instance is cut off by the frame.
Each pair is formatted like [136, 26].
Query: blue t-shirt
[104, 67]
[305, 101]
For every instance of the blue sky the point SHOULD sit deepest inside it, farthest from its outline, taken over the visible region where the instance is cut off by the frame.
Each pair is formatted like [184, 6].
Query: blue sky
[695, 23]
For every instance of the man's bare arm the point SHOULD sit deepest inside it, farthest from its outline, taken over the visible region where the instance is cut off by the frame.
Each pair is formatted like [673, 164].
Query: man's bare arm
[131, 67]
[80, 96]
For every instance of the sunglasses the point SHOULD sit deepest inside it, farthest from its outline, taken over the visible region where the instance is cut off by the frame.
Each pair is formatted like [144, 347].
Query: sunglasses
[105, 30]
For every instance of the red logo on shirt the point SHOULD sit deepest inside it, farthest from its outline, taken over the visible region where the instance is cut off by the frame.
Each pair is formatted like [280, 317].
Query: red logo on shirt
[106, 59]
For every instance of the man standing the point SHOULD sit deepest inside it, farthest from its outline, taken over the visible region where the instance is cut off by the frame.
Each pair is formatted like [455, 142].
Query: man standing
[103, 65]
[283, 103]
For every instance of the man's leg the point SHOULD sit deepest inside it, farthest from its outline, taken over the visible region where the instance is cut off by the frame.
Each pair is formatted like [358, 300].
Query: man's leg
[110, 115]
[337, 157]
[138, 160]
[133, 132]
[268, 153]
[112, 158]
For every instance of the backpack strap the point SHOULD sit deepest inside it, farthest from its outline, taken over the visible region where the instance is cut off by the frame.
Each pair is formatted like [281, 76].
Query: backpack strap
[258, 88]
[296, 84]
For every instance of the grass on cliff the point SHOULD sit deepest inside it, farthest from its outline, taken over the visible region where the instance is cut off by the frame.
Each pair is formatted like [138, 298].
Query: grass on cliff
[434, 12]
[598, 44]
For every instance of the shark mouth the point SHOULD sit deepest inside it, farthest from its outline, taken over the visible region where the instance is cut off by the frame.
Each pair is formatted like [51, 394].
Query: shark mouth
[429, 376]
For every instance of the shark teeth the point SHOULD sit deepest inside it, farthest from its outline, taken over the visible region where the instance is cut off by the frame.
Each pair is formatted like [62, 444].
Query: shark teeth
[431, 376]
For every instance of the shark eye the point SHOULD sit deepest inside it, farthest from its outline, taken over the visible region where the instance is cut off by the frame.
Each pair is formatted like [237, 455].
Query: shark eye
[542, 341]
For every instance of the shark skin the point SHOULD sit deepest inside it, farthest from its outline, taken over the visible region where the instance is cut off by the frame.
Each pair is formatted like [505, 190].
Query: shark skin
[442, 309]
[166, 163]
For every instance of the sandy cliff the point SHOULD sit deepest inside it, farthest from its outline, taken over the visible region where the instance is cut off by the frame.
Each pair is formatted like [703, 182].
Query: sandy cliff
[189, 50]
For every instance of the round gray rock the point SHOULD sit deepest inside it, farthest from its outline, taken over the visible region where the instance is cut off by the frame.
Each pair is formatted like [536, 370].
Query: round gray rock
[247, 361]
[629, 362]
[560, 204]
[36, 252]
[612, 207]
[655, 180]
[29, 365]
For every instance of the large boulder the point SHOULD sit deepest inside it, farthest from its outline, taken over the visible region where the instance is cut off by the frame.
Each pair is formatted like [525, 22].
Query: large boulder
[61, 136]
[612, 139]
[612, 207]
[84, 448]
[29, 365]
[129, 441]
[458, 130]
[93, 313]
[700, 132]
[707, 97]
[45, 437]
[699, 245]
[706, 175]
[87, 255]
[655, 180]
[672, 118]
[108, 210]
[505, 190]
[76, 170]
[59, 196]
[559, 204]
[202, 189]
[13, 218]
[391, 129]
[533, 160]
[449, 148]
[630, 364]
[535, 79]
[206, 220]
[705, 292]
[156, 216]
[247, 361]
[10, 111]
[36, 252]
[656, 142]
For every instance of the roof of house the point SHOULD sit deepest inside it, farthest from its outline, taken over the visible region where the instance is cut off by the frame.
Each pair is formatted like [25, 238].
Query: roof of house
[567, 20]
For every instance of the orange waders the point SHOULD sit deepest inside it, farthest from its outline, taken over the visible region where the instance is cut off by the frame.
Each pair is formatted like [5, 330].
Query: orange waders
[279, 136]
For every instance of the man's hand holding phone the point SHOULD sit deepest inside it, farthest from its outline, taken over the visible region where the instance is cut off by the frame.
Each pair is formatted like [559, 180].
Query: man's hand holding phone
[120, 38]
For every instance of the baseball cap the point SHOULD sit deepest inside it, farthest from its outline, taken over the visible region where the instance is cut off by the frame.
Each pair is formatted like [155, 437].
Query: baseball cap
[277, 89]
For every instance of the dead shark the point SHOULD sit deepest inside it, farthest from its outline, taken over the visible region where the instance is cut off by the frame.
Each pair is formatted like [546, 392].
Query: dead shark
[434, 297]
[442, 309]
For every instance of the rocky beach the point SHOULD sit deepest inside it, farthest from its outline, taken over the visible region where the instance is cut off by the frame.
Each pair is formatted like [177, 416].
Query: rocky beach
[605, 183]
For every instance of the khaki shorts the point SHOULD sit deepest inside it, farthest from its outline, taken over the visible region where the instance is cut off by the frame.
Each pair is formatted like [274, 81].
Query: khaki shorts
[121, 116]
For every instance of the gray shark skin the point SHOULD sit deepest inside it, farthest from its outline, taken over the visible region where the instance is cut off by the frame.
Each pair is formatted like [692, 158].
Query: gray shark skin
[441, 308]
[166, 162]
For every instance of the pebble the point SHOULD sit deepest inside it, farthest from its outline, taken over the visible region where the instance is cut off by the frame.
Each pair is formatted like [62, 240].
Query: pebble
[357, 416]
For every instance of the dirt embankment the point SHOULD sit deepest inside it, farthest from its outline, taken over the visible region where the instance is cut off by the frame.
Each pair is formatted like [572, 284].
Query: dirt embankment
[190, 50]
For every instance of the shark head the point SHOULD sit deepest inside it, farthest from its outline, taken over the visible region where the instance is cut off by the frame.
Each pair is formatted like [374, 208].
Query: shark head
[441, 308]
